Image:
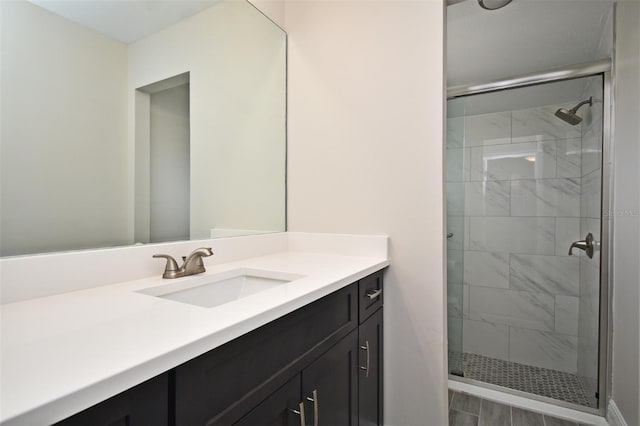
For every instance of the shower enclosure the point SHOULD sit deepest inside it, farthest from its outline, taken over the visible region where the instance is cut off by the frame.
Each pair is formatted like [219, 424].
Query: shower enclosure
[524, 184]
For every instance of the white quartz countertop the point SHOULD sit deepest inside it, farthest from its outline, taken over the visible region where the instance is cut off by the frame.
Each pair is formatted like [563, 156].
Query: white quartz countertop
[61, 354]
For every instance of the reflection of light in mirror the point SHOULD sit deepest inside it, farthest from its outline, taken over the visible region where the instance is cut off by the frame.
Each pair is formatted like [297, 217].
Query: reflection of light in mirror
[499, 158]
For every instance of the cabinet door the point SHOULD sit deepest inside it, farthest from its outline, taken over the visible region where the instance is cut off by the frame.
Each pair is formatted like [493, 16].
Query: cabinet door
[330, 387]
[370, 371]
[143, 405]
[281, 408]
[220, 386]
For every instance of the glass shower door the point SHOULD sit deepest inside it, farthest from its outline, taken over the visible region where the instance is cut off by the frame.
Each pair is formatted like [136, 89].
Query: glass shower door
[524, 184]
[455, 232]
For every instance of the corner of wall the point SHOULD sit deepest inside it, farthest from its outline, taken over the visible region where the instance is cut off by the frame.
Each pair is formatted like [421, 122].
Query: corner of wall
[614, 416]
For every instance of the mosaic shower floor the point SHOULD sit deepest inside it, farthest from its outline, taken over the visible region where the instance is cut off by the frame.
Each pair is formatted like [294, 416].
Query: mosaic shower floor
[526, 378]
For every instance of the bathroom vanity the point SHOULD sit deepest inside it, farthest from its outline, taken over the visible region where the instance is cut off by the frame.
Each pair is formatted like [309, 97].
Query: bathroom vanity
[321, 364]
[305, 351]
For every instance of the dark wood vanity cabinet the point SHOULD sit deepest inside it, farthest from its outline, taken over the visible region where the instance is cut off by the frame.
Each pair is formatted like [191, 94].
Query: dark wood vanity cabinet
[143, 405]
[319, 365]
[323, 393]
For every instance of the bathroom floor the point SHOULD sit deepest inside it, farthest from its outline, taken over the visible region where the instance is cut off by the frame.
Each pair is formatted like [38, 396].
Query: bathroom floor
[539, 381]
[469, 410]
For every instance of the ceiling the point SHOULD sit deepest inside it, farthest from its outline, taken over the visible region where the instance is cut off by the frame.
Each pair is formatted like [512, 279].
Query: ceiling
[523, 37]
[125, 20]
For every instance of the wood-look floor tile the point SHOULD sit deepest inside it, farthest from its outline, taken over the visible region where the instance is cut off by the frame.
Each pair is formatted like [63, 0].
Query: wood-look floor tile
[520, 417]
[459, 418]
[494, 414]
[467, 403]
[554, 421]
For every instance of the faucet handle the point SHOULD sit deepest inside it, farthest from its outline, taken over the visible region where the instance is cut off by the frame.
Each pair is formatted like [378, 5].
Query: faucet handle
[171, 268]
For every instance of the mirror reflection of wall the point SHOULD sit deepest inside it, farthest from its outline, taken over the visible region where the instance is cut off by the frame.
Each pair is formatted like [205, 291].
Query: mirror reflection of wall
[162, 185]
[73, 175]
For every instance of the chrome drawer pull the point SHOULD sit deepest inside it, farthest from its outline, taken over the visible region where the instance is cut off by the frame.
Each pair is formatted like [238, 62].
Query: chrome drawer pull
[315, 406]
[366, 348]
[373, 293]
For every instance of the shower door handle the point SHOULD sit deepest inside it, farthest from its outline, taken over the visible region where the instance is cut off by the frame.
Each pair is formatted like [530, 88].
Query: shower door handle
[586, 245]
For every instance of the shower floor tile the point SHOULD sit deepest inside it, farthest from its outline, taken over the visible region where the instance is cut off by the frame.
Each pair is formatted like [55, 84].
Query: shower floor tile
[539, 381]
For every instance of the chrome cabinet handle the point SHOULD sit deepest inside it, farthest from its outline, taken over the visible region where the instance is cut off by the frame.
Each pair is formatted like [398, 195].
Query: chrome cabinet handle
[373, 293]
[300, 412]
[586, 245]
[315, 406]
[449, 235]
[366, 348]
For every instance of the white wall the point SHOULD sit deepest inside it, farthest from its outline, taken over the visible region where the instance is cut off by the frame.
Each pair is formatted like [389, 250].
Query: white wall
[365, 155]
[60, 122]
[237, 153]
[626, 214]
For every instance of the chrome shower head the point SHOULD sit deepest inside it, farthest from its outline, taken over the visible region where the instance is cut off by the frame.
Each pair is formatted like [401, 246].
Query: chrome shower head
[569, 115]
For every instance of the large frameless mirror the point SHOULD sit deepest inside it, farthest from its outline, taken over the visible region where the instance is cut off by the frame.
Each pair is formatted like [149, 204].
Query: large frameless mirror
[132, 122]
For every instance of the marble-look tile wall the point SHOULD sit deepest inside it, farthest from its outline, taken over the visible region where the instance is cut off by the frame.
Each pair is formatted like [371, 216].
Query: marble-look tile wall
[518, 186]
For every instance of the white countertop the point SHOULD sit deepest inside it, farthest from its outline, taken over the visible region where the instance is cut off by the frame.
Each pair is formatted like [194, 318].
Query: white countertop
[61, 354]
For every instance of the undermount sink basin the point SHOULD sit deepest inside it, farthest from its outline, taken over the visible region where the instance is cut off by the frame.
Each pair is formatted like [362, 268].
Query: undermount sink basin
[214, 290]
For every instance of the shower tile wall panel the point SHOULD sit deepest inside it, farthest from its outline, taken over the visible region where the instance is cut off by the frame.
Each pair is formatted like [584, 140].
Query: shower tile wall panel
[546, 197]
[556, 275]
[535, 160]
[487, 129]
[567, 315]
[554, 351]
[457, 159]
[567, 230]
[523, 235]
[487, 198]
[569, 158]
[590, 201]
[514, 308]
[592, 135]
[523, 177]
[486, 269]
[456, 226]
[540, 124]
[455, 132]
[484, 338]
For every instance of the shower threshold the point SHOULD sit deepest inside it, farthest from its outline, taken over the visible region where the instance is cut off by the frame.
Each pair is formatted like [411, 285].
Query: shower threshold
[525, 378]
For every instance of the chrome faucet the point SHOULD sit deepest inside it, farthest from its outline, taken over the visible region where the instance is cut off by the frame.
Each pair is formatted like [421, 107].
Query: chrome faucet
[587, 245]
[191, 264]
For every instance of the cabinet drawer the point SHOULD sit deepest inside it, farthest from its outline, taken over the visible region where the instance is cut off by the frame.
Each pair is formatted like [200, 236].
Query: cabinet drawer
[370, 295]
[211, 388]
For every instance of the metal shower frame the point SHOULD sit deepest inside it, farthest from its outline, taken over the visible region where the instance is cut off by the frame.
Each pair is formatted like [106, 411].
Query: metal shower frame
[603, 68]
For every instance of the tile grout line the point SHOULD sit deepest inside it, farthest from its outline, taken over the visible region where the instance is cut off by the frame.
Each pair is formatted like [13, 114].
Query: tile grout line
[510, 415]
